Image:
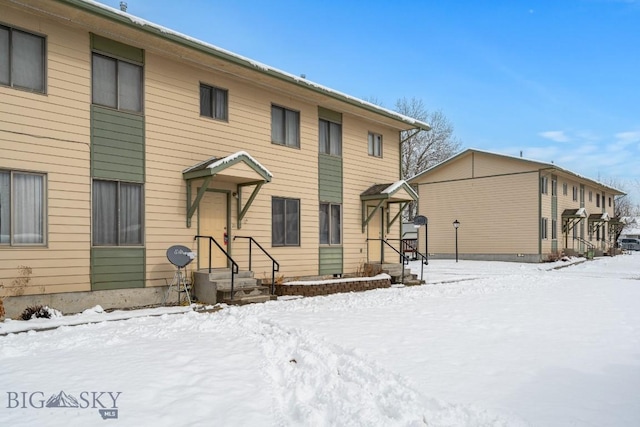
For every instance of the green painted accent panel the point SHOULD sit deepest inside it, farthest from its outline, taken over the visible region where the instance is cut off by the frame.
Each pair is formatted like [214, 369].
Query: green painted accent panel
[330, 178]
[117, 268]
[117, 145]
[330, 115]
[330, 260]
[118, 49]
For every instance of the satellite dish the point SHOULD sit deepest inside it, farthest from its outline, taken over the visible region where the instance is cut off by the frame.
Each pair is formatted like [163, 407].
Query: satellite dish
[420, 220]
[180, 256]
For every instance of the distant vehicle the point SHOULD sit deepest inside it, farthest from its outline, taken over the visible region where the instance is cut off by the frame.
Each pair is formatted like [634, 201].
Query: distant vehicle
[629, 244]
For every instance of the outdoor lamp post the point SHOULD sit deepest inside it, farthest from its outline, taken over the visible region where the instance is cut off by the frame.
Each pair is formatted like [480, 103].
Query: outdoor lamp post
[456, 224]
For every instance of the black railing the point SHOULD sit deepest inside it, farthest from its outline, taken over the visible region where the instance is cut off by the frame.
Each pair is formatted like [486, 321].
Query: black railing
[275, 266]
[234, 265]
[411, 245]
[403, 258]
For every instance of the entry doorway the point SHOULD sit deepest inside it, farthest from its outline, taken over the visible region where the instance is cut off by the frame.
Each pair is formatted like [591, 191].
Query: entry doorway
[374, 231]
[213, 221]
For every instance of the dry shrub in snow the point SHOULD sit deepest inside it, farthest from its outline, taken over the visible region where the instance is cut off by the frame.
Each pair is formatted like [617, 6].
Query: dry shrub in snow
[39, 312]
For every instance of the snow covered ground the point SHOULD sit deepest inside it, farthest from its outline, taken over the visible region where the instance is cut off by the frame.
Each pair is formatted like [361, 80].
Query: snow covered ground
[483, 344]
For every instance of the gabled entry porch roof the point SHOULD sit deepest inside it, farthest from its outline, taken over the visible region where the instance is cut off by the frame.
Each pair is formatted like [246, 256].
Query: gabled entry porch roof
[238, 168]
[396, 192]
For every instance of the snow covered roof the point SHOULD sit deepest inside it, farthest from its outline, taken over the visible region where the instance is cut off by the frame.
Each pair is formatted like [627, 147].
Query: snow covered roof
[539, 164]
[574, 213]
[386, 191]
[214, 165]
[166, 33]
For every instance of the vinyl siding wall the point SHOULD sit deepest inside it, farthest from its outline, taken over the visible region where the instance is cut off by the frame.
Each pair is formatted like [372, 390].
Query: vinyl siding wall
[497, 215]
[49, 133]
[177, 138]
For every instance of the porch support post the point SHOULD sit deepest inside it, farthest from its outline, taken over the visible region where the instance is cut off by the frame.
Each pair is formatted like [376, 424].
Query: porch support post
[390, 222]
[242, 212]
[191, 208]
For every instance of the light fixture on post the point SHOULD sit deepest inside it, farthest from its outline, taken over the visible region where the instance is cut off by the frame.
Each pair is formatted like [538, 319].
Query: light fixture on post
[456, 224]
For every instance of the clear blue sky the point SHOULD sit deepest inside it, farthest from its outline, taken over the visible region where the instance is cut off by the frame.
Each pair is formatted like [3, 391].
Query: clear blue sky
[557, 79]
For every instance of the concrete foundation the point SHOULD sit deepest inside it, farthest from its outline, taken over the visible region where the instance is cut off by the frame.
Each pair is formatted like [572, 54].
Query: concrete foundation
[76, 302]
[528, 258]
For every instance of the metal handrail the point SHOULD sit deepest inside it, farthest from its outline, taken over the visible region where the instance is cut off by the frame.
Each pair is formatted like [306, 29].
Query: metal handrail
[275, 265]
[424, 258]
[403, 258]
[234, 265]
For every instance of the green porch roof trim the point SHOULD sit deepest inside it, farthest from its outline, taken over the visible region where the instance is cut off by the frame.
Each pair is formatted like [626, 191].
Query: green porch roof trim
[387, 191]
[574, 213]
[129, 20]
[215, 165]
[208, 169]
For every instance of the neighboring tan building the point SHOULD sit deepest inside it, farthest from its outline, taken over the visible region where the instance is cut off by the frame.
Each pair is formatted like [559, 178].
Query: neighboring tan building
[512, 209]
[121, 138]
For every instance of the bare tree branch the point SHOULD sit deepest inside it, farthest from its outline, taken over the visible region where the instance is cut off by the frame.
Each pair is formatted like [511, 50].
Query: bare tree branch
[424, 149]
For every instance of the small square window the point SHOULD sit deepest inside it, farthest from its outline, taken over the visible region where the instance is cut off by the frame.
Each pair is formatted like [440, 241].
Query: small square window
[117, 213]
[116, 83]
[214, 102]
[544, 184]
[22, 60]
[285, 126]
[375, 144]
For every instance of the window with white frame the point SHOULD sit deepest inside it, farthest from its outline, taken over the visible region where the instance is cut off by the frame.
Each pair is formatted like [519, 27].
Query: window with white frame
[375, 144]
[22, 59]
[590, 196]
[597, 200]
[213, 102]
[116, 83]
[285, 126]
[564, 188]
[22, 208]
[117, 217]
[285, 222]
[554, 187]
[330, 135]
[544, 184]
[554, 229]
[575, 193]
[543, 231]
[609, 201]
[330, 224]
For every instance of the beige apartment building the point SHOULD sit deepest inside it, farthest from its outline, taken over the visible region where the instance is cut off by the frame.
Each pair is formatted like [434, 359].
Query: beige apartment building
[121, 138]
[513, 209]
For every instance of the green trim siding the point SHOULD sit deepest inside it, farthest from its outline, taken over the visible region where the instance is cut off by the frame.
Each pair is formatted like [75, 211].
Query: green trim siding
[117, 49]
[330, 115]
[117, 145]
[330, 260]
[330, 178]
[117, 268]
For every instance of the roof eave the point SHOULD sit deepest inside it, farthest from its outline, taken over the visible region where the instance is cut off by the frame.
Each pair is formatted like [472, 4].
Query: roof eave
[237, 60]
